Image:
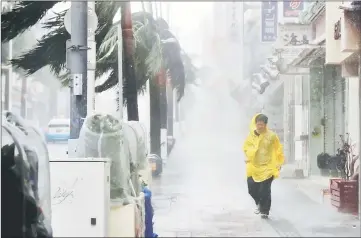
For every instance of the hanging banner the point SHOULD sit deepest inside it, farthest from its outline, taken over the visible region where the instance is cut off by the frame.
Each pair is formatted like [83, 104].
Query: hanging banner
[292, 8]
[269, 21]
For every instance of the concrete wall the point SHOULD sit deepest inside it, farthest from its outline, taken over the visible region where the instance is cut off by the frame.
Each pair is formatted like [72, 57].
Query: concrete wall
[352, 113]
[333, 47]
[316, 114]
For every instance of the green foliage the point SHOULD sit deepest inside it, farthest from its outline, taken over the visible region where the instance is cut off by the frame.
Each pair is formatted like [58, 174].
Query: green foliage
[103, 124]
[151, 52]
[316, 81]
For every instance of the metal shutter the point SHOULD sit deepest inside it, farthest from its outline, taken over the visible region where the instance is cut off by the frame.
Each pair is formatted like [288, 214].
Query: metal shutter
[305, 122]
[291, 120]
[339, 108]
[329, 112]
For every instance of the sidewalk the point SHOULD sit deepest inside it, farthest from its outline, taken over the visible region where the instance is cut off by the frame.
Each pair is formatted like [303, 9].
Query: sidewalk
[301, 203]
[203, 190]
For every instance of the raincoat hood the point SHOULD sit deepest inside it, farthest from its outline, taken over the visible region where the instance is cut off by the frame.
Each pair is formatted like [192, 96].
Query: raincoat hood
[252, 125]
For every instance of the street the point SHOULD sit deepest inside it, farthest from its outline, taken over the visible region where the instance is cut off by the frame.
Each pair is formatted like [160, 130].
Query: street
[58, 150]
[203, 191]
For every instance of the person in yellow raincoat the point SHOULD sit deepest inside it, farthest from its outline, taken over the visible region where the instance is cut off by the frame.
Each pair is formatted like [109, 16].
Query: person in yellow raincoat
[264, 158]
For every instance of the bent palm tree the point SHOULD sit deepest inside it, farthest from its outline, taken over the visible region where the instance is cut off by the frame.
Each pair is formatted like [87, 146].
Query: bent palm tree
[50, 49]
[159, 50]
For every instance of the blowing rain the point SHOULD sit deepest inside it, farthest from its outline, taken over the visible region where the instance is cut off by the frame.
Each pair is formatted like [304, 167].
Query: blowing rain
[180, 119]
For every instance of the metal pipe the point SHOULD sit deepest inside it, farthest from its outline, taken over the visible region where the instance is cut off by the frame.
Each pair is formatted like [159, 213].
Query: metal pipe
[120, 69]
[359, 143]
[169, 89]
[163, 102]
[92, 63]
[78, 67]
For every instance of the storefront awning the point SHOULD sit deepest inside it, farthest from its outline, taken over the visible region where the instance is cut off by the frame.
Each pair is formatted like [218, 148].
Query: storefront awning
[307, 56]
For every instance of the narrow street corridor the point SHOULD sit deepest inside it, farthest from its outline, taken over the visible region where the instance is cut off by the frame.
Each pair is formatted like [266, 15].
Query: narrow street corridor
[203, 192]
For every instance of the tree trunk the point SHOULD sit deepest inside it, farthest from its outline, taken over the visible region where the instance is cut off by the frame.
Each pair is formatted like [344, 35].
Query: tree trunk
[162, 82]
[129, 69]
[24, 85]
[170, 110]
[155, 120]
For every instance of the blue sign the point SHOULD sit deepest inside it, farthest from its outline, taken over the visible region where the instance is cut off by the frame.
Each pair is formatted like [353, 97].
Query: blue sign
[292, 8]
[269, 21]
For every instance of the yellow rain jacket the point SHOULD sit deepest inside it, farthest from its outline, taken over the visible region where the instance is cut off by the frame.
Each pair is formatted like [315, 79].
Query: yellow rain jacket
[264, 154]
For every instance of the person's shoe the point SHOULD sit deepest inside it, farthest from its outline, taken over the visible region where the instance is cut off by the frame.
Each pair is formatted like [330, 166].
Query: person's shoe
[264, 216]
[257, 210]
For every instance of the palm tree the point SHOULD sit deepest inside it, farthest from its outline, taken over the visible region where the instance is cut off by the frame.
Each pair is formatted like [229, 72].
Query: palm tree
[129, 70]
[50, 49]
[156, 48]
[153, 37]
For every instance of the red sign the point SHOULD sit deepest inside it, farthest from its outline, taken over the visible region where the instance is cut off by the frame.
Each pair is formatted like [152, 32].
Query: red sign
[292, 8]
[161, 78]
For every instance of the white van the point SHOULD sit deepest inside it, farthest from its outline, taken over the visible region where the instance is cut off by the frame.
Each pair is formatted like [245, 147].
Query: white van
[58, 130]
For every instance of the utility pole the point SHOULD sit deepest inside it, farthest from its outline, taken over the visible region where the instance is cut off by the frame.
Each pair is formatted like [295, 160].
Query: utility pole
[170, 97]
[154, 106]
[359, 138]
[91, 66]
[9, 77]
[120, 67]
[163, 102]
[78, 68]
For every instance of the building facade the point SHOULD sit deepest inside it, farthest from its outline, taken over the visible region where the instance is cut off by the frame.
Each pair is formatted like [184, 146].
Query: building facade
[321, 106]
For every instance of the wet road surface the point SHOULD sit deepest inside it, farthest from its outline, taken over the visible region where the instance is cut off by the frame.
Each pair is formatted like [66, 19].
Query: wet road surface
[58, 150]
[203, 193]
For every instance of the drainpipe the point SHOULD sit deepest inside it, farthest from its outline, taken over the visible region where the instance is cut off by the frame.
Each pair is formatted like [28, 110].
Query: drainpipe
[359, 144]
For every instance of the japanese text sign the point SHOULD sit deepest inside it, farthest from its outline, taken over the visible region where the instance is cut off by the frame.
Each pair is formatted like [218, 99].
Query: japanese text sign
[269, 21]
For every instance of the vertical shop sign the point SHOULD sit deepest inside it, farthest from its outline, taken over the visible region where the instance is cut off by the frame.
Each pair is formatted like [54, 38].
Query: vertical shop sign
[269, 21]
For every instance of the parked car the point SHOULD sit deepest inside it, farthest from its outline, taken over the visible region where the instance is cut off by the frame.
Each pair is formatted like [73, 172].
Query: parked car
[58, 129]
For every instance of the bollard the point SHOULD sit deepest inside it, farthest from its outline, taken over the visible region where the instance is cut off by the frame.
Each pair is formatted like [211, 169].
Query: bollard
[156, 164]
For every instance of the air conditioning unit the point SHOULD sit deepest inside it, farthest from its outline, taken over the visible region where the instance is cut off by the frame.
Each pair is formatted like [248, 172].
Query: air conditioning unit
[259, 82]
[281, 65]
[271, 71]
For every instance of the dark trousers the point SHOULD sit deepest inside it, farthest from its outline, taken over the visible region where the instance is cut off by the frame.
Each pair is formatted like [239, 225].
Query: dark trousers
[261, 193]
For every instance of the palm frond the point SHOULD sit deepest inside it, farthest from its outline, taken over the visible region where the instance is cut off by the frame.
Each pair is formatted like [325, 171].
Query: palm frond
[144, 17]
[24, 15]
[109, 43]
[154, 60]
[56, 21]
[105, 11]
[50, 50]
[65, 79]
[110, 82]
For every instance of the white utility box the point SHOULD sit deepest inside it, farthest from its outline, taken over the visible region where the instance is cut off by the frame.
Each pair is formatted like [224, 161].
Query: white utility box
[80, 193]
